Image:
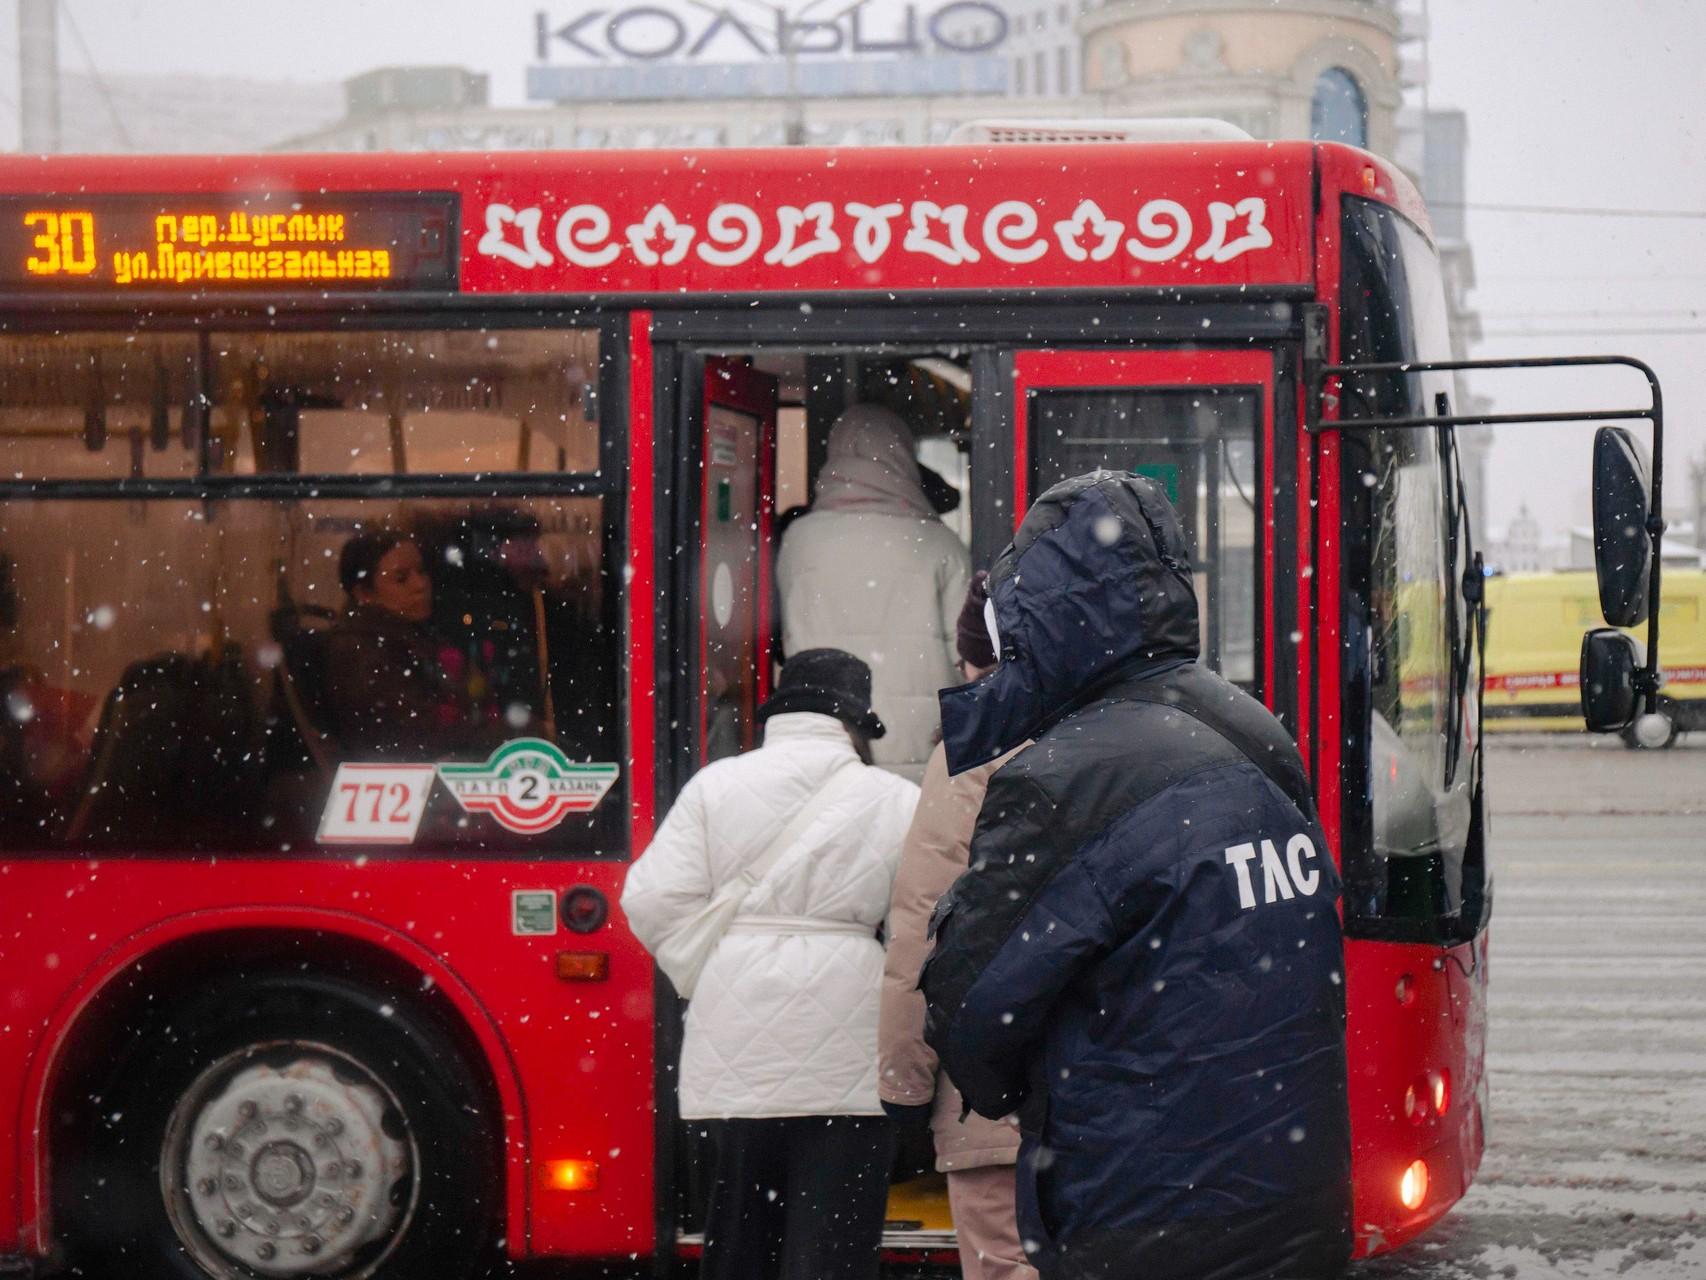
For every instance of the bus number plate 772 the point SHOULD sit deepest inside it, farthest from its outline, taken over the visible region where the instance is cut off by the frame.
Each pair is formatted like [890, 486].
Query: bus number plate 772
[375, 804]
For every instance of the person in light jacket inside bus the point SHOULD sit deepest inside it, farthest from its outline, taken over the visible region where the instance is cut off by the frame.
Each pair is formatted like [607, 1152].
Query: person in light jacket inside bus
[779, 1059]
[976, 1154]
[872, 570]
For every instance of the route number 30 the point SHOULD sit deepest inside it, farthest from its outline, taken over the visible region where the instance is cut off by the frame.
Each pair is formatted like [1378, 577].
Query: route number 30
[375, 804]
[65, 242]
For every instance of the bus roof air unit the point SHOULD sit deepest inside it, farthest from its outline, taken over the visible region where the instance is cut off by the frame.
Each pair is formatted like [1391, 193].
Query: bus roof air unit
[1114, 129]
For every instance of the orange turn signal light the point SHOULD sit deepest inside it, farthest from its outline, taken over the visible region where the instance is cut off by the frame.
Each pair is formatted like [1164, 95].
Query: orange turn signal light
[571, 1175]
[583, 966]
[1413, 1186]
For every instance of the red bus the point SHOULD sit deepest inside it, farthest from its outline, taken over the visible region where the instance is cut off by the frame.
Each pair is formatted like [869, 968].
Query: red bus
[291, 986]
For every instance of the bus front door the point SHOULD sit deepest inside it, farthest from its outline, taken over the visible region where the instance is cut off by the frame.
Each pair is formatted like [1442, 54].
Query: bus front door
[1200, 423]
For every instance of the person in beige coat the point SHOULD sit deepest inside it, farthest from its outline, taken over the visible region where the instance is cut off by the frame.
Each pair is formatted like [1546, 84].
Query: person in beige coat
[977, 1154]
[872, 570]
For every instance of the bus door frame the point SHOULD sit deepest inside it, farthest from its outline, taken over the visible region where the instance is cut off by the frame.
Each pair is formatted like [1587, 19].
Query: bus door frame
[681, 395]
[751, 394]
[1269, 368]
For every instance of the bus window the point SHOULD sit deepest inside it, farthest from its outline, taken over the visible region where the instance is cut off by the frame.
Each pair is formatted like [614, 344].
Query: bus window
[181, 673]
[421, 403]
[190, 673]
[340, 442]
[1199, 443]
[1408, 598]
[1407, 818]
[116, 412]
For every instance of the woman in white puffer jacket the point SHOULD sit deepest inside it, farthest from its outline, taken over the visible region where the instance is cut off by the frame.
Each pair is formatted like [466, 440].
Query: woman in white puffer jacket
[779, 1060]
[872, 570]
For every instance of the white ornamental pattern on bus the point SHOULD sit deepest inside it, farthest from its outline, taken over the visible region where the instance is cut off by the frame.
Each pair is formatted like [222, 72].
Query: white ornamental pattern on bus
[1012, 231]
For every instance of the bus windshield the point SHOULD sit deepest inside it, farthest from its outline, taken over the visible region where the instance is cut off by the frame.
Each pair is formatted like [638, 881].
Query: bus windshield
[223, 578]
[1408, 809]
[1199, 444]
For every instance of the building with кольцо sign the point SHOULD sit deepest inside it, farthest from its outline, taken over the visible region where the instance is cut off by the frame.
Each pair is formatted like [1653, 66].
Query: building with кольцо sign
[701, 73]
[695, 73]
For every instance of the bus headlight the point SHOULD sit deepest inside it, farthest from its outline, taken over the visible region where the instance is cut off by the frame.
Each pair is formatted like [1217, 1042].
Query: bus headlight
[1413, 1186]
[1429, 1090]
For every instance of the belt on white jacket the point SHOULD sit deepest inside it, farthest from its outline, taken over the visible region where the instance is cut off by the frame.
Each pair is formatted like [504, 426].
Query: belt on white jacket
[790, 925]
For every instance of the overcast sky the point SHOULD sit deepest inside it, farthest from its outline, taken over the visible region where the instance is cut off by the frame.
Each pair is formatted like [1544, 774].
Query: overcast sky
[1573, 104]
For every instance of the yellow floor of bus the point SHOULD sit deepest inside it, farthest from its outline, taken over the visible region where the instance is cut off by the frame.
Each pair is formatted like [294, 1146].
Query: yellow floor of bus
[920, 1205]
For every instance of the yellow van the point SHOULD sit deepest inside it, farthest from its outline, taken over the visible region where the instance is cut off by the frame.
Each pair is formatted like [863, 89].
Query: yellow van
[1535, 623]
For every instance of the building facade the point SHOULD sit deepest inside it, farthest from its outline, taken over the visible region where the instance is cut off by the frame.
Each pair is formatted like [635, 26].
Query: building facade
[1305, 68]
[1324, 69]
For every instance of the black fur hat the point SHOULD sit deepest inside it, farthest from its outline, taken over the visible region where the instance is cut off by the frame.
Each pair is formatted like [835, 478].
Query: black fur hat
[828, 681]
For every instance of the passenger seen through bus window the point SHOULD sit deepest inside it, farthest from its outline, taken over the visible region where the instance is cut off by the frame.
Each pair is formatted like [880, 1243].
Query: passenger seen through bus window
[491, 598]
[389, 693]
[872, 570]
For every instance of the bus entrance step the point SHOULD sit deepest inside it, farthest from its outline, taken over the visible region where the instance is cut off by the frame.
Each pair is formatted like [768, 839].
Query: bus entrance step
[902, 1238]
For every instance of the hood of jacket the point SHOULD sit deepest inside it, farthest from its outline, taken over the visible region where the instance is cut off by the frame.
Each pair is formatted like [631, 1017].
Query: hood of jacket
[871, 466]
[1096, 584]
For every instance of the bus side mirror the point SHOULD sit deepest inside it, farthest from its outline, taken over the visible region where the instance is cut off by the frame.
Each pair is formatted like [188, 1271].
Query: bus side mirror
[1609, 662]
[1622, 545]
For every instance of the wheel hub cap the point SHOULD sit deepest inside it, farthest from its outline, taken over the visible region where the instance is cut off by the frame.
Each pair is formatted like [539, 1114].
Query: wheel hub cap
[282, 1174]
[287, 1170]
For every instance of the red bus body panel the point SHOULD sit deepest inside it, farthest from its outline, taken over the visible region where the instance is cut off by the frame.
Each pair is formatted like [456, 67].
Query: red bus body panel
[571, 1061]
[1437, 1024]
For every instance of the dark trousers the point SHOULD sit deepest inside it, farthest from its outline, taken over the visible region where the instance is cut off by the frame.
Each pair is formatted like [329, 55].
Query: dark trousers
[797, 1198]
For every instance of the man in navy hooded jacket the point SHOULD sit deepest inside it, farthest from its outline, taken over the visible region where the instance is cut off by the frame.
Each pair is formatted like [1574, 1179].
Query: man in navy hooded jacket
[1144, 959]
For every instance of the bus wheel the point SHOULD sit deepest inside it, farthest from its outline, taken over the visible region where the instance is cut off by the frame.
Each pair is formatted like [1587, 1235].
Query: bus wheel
[288, 1127]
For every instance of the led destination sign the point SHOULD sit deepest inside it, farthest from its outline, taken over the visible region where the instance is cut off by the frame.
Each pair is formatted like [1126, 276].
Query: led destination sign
[190, 243]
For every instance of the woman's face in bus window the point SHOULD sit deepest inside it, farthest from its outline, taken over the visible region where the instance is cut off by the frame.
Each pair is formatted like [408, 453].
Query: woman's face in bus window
[400, 584]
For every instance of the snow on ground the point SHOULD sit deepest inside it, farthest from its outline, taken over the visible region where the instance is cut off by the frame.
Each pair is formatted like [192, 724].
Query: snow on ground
[1596, 1054]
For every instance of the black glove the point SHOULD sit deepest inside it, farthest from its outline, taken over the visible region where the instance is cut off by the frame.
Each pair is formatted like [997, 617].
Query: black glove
[914, 1143]
[913, 1116]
